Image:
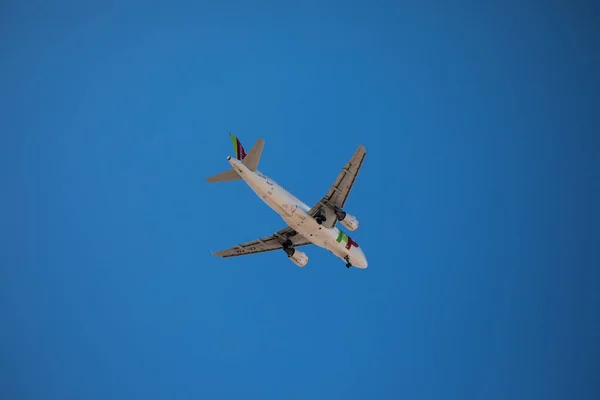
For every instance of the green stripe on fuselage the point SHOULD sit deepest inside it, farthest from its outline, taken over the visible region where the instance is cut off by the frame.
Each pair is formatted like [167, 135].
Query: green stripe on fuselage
[342, 236]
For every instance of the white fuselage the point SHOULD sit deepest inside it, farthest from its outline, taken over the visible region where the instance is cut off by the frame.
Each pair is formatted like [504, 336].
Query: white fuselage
[295, 213]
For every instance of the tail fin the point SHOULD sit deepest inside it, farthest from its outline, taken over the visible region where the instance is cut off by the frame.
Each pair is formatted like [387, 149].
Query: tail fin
[238, 149]
[250, 160]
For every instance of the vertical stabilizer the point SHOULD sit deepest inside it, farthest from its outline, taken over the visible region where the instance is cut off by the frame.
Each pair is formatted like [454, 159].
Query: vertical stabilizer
[238, 149]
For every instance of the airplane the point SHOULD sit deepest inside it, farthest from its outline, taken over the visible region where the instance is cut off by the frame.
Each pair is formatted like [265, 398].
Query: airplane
[305, 225]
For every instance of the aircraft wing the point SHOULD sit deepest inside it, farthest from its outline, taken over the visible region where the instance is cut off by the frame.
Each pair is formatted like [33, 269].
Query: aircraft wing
[339, 191]
[269, 243]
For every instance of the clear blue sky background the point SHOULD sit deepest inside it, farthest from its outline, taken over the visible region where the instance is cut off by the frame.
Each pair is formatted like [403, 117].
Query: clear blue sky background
[477, 201]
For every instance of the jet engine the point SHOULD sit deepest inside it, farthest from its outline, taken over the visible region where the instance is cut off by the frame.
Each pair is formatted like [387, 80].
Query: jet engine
[298, 257]
[348, 221]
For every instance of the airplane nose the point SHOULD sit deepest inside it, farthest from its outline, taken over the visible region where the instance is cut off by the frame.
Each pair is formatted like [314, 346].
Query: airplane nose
[228, 158]
[361, 261]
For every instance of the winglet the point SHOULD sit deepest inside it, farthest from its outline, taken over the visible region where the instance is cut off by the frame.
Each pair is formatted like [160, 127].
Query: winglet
[240, 153]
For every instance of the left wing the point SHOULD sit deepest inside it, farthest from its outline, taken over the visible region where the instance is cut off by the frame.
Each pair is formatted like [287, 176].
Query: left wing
[339, 191]
[269, 243]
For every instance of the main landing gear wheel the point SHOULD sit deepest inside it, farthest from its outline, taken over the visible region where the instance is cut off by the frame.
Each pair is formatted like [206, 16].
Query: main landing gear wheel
[348, 265]
[320, 219]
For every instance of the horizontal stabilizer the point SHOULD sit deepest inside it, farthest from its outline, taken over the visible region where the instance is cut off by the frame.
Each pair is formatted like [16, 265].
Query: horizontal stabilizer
[225, 176]
[253, 157]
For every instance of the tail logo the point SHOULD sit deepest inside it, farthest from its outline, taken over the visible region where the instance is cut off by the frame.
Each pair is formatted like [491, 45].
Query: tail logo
[240, 153]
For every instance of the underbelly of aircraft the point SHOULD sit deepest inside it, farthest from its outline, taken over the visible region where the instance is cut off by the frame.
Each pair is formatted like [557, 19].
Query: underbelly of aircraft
[299, 220]
[311, 230]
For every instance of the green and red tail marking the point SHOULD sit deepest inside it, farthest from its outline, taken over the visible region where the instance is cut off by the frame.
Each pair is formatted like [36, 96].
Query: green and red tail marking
[240, 153]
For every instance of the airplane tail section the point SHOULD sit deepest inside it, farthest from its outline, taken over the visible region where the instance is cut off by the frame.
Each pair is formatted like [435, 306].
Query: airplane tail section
[250, 160]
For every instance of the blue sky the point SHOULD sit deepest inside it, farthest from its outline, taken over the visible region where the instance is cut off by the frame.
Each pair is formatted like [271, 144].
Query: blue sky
[477, 200]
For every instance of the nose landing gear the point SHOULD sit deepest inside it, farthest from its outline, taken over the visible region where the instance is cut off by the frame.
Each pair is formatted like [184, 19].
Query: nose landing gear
[347, 258]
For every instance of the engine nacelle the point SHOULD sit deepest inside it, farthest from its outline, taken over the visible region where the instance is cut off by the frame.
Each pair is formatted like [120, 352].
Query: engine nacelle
[298, 257]
[350, 222]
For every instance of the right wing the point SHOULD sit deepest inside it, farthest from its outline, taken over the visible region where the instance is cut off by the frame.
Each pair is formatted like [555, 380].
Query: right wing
[269, 243]
[339, 191]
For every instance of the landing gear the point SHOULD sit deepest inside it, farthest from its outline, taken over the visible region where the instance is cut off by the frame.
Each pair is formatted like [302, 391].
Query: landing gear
[348, 265]
[320, 219]
[287, 247]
